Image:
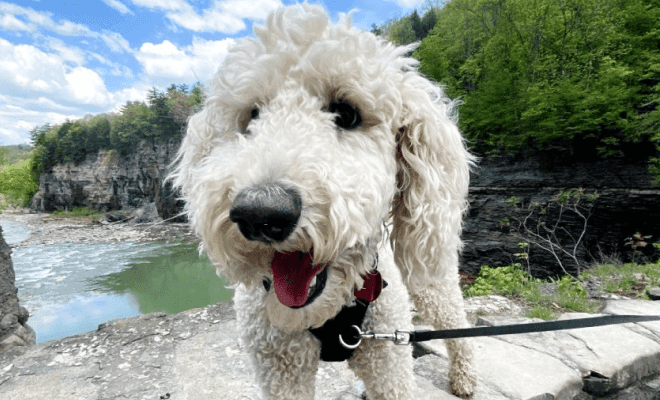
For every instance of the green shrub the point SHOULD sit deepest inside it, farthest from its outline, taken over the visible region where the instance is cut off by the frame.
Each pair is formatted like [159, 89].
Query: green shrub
[18, 183]
[569, 286]
[507, 280]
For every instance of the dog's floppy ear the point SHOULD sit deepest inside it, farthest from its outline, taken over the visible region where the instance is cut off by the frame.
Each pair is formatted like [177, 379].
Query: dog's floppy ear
[432, 177]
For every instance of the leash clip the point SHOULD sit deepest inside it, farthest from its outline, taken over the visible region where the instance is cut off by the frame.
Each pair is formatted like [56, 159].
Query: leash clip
[400, 337]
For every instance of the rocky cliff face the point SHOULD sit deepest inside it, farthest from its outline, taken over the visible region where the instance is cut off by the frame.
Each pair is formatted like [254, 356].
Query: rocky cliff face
[628, 202]
[110, 181]
[14, 330]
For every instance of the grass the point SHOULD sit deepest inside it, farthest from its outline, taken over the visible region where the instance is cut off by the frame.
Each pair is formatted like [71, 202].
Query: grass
[628, 279]
[80, 212]
[544, 312]
[631, 280]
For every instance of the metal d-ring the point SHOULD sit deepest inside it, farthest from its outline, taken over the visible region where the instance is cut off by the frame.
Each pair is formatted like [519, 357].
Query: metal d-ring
[352, 346]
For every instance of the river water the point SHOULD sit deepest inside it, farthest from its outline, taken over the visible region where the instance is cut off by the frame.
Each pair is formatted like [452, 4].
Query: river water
[71, 288]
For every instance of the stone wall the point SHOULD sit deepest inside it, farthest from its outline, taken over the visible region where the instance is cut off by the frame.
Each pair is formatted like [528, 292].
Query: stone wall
[108, 180]
[629, 202]
[14, 330]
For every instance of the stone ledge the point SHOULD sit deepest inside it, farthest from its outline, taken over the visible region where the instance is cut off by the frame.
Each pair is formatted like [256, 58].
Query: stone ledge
[195, 355]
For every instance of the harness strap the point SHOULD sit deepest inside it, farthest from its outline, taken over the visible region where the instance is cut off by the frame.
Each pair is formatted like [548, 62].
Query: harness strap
[331, 348]
[330, 334]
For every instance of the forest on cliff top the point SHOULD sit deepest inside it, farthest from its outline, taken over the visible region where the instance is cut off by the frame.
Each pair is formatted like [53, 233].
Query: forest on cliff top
[561, 79]
[577, 79]
[160, 119]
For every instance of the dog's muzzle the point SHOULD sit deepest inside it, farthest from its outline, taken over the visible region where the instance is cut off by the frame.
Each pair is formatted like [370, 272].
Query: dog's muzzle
[266, 213]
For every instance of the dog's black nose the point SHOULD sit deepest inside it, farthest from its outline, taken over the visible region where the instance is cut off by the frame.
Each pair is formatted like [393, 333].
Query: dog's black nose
[267, 213]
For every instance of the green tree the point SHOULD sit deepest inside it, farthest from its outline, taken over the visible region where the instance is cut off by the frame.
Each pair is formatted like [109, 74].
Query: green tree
[579, 78]
[63, 143]
[133, 124]
[428, 22]
[162, 124]
[98, 135]
[402, 32]
[416, 25]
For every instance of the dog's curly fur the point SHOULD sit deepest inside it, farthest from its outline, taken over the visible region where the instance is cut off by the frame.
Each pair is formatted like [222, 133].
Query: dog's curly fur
[395, 185]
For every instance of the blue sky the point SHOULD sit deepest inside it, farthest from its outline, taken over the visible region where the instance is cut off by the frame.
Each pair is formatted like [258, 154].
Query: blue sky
[63, 60]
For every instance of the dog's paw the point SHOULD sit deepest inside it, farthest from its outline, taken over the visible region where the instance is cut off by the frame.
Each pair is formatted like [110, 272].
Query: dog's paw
[462, 382]
[459, 392]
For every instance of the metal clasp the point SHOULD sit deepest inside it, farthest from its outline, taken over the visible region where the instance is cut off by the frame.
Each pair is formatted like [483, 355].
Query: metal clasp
[398, 337]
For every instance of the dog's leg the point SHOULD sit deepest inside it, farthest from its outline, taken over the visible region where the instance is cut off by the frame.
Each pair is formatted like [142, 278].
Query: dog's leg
[285, 363]
[441, 304]
[385, 368]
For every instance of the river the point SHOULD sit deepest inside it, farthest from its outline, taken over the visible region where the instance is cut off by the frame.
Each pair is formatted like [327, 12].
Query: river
[71, 288]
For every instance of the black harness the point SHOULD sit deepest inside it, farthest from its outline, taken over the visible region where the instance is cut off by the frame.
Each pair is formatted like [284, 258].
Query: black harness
[341, 324]
[350, 315]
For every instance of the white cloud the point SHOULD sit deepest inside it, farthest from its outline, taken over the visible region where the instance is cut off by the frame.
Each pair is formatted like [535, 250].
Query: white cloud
[33, 20]
[10, 22]
[29, 68]
[67, 53]
[408, 3]
[114, 41]
[197, 61]
[255, 9]
[162, 4]
[19, 115]
[33, 72]
[210, 21]
[119, 6]
[225, 16]
[116, 69]
[44, 103]
[16, 121]
[9, 137]
[39, 19]
[87, 86]
[137, 92]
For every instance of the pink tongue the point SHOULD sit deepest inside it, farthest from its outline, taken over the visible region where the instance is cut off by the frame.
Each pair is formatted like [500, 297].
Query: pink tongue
[292, 274]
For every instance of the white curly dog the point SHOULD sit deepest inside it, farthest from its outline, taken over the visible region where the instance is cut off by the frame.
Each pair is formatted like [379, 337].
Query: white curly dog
[321, 154]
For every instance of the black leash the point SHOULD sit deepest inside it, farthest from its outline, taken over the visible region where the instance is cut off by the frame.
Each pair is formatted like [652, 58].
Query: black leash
[406, 337]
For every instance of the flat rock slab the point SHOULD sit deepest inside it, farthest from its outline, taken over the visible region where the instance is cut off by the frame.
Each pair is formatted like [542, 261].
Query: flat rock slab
[196, 355]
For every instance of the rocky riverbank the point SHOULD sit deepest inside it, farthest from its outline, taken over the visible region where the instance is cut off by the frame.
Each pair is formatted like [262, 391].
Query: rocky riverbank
[49, 229]
[196, 355]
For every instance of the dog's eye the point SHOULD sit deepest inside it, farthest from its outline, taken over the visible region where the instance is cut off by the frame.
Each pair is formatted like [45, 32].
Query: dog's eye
[254, 114]
[348, 117]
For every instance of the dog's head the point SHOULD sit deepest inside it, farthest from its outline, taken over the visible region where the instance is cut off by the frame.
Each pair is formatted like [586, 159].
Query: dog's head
[313, 136]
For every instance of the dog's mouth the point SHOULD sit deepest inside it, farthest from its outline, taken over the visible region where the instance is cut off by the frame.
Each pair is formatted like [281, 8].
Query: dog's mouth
[296, 281]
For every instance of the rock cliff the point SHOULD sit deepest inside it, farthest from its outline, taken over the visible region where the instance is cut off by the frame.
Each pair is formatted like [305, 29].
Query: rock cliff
[108, 180]
[627, 203]
[14, 330]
